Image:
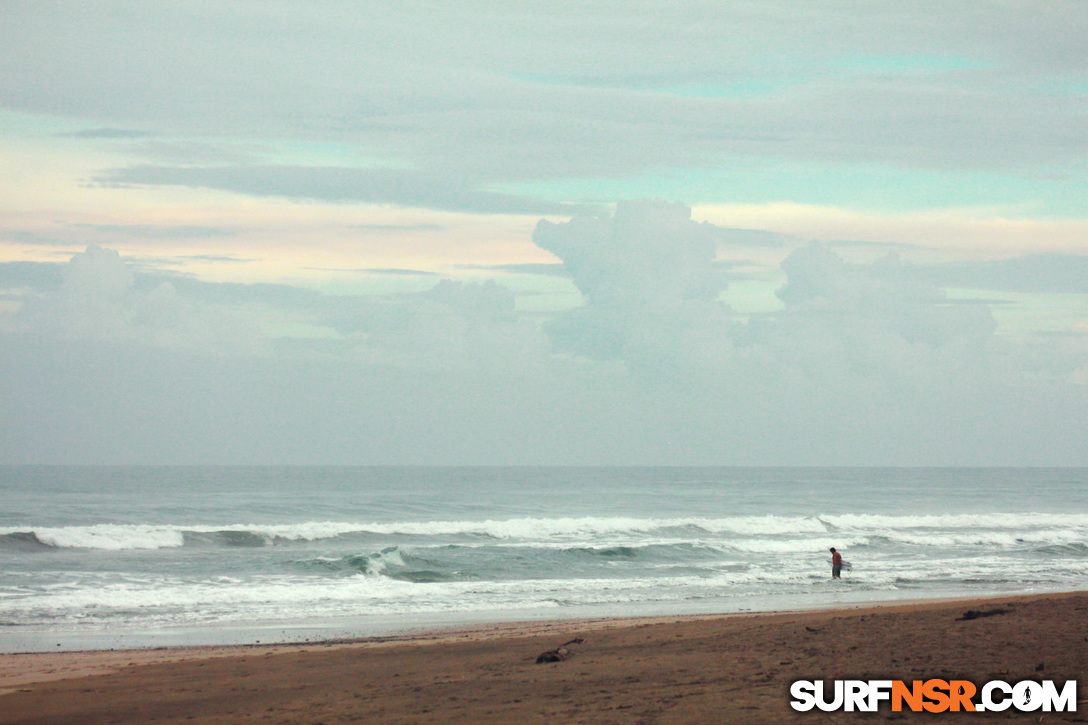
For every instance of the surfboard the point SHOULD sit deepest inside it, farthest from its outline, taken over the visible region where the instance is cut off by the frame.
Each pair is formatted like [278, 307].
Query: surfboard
[846, 566]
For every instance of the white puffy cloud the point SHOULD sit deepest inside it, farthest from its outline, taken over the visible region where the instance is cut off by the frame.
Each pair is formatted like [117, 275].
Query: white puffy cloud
[870, 361]
[542, 108]
[650, 283]
[867, 363]
[870, 346]
[883, 295]
[455, 326]
[98, 301]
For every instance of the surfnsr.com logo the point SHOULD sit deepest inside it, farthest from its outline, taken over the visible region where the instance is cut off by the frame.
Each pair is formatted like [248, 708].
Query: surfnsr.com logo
[934, 696]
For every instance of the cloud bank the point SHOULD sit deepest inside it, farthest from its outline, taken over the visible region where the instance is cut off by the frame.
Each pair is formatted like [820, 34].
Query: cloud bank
[447, 106]
[864, 363]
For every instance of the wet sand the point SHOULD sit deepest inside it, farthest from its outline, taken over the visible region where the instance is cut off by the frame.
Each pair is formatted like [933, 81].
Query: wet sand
[700, 669]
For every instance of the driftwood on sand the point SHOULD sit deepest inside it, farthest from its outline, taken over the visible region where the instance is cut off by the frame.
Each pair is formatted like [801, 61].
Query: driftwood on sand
[558, 654]
[976, 614]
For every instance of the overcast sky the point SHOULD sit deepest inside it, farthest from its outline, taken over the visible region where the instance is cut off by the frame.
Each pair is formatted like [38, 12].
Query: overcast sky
[556, 232]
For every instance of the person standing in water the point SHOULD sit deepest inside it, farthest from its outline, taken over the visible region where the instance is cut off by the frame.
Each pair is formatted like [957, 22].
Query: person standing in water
[836, 564]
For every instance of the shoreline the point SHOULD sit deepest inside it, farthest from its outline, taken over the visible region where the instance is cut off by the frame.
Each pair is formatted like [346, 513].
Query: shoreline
[878, 639]
[15, 640]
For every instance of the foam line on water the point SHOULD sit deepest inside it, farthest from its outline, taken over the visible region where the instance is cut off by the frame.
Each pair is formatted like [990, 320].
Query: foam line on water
[117, 537]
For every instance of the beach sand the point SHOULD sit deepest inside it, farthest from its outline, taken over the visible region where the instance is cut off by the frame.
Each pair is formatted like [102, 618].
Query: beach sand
[700, 669]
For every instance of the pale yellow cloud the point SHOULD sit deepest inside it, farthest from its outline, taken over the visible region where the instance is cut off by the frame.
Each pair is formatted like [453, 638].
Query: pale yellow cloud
[51, 205]
[943, 233]
[57, 208]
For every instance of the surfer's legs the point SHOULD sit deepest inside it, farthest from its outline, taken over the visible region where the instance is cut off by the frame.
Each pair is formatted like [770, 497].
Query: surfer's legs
[835, 571]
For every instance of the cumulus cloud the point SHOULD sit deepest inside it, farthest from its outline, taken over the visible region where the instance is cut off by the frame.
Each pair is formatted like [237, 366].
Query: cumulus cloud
[649, 279]
[455, 326]
[98, 301]
[651, 286]
[864, 356]
[884, 293]
[871, 348]
[545, 109]
[866, 363]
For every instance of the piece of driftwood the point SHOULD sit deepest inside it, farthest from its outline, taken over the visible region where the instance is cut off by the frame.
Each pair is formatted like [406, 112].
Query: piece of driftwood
[976, 614]
[558, 654]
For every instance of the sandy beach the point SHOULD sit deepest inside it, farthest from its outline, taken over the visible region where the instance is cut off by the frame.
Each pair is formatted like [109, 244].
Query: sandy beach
[662, 670]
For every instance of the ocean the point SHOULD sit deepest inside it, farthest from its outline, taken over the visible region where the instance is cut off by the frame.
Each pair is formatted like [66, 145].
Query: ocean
[111, 557]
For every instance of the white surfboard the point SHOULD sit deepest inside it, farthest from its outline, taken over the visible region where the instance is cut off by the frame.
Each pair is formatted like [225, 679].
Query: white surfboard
[846, 566]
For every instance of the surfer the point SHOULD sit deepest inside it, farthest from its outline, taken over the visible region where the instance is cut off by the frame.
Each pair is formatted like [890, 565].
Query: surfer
[836, 564]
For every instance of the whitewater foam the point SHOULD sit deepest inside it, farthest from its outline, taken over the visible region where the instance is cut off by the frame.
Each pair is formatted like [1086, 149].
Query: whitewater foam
[443, 540]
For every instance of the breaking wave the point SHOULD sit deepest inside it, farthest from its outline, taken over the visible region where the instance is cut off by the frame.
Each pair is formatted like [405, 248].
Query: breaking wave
[773, 532]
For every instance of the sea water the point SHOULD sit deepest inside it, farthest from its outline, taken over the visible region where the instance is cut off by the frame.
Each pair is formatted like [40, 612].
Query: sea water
[143, 556]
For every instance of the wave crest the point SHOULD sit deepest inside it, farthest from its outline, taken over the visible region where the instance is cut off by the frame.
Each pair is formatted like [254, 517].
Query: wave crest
[962, 528]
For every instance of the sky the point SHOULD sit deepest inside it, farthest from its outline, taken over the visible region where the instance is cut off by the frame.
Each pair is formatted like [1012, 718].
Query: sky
[544, 233]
